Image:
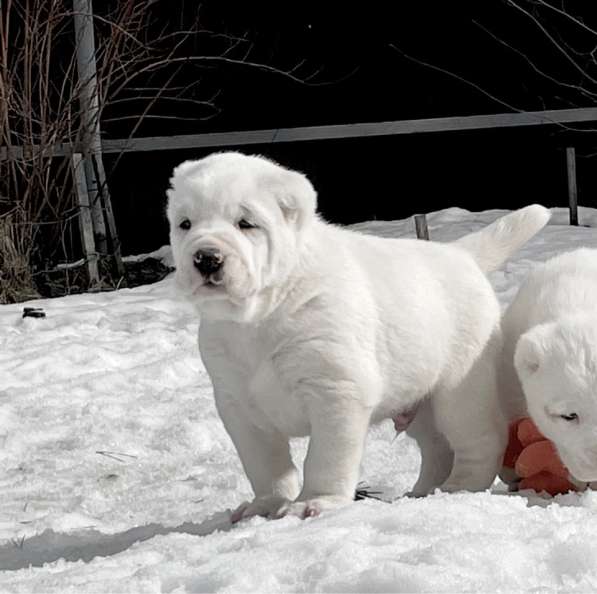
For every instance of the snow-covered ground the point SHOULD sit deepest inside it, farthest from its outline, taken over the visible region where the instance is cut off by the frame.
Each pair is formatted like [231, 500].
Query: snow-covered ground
[116, 474]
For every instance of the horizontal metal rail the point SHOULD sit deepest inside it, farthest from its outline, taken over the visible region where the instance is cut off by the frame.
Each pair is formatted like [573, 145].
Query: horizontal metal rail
[359, 130]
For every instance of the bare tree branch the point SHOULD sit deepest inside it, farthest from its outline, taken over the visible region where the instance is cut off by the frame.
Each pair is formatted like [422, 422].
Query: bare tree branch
[554, 42]
[534, 67]
[568, 16]
[457, 77]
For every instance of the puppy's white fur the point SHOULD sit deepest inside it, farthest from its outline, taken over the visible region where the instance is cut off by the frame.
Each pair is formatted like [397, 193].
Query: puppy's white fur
[550, 357]
[317, 330]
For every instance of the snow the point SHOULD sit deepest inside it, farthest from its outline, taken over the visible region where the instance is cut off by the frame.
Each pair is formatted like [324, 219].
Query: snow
[116, 474]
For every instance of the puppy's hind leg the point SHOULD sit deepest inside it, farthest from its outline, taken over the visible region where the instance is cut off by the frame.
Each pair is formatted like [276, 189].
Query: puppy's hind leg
[470, 417]
[436, 455]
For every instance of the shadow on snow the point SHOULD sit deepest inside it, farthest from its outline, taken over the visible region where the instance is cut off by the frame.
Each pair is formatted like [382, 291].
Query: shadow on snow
[50, 546]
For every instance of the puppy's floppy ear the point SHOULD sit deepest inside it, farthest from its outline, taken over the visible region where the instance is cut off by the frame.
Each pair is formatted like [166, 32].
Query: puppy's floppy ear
[297, 198]
[529, 354]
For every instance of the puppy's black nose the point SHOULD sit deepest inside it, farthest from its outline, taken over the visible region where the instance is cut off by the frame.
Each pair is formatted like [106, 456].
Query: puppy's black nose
[208, 260]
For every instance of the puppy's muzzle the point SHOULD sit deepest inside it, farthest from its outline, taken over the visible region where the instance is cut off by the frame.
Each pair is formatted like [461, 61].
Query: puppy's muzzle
[208, 261]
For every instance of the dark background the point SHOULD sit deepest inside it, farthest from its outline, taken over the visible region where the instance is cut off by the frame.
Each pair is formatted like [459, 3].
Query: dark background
[352, 65]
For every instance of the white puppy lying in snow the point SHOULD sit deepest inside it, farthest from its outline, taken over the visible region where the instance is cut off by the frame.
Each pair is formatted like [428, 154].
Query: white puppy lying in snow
[550, 356]
[311, 329]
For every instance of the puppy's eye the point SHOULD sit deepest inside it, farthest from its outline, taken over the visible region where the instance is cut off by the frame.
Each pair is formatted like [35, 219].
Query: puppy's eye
[570, 417]
[185, 224]
[244, 224]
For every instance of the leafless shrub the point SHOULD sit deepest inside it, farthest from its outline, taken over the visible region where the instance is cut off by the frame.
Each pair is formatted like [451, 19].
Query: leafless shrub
[36, 109]
[16, 283]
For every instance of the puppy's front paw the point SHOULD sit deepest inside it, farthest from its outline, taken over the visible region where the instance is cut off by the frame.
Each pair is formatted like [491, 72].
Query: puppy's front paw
[311, 507]
[453, 487]
[270, 506]
[274, 507]
[416, 494]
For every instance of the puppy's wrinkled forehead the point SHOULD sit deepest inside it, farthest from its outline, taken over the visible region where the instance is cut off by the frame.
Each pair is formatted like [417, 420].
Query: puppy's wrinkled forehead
[223, 182]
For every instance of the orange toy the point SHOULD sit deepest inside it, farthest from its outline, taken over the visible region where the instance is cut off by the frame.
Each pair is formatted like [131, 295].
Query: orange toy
[534, 461]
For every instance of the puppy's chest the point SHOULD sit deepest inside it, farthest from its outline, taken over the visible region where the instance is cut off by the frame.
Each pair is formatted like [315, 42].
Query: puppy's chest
[274, 402]
[261, 392]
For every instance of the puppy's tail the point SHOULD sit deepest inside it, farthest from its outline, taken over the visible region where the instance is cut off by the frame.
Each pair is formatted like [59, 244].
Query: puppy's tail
[494, 244]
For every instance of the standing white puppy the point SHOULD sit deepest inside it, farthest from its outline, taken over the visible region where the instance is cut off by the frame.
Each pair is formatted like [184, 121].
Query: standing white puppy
[550, 357]
[311, 329]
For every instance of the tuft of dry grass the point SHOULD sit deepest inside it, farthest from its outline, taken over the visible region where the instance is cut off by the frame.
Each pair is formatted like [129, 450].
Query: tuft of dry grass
[16, 281]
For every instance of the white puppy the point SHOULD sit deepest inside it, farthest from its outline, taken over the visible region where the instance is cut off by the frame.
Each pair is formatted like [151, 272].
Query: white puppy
[311, 329]
[550, 357]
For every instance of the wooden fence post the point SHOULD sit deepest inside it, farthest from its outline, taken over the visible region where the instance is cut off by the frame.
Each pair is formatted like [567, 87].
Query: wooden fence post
[90, 125]
[572, 188]
[421, 226]
[85, 222]
[89, 109]
[100, 176]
